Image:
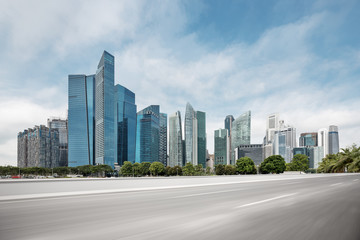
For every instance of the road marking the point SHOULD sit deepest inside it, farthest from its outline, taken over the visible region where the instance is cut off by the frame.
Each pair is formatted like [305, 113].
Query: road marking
[266, 200]
[207, 193]
[356, 180]
[289, 183]
[335, 184]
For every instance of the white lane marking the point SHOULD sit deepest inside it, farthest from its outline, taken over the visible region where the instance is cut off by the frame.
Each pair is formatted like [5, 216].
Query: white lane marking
[289, 183]
[266, 200]
[356, 180]
[207, 193]
[335, 184]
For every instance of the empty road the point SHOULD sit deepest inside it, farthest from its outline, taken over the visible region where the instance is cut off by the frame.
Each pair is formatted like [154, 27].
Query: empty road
[230, 207]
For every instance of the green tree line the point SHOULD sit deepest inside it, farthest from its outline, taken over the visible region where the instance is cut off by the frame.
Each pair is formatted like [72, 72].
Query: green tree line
[347, 160]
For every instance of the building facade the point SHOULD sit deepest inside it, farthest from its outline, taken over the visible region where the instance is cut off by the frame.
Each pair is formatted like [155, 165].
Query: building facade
[323, 140]
[240, 132]
[125, 125]
[175, 140]
[308, 139]
[253, 151]
[333, 139]
[201, 137]
[191, 135]
[221, 147]
[62, 126]
[163, 139]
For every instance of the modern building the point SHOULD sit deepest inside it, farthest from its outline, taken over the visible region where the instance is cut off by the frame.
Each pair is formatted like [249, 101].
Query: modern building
[323, 140]
[163, 139]
[253, 151]
[39, 147]
[191, 135]
[272, 125]
[228, 125]
[81, 120]
[62, 126]
[333, 139]
[308, 139]
[240, 132]
[148, 134]
[284, 141]
[125, 125]
[175, 140]
[201, 137]
[221, 147]
[316, 154]
[104, 111]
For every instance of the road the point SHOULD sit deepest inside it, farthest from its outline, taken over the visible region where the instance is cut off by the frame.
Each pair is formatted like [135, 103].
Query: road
[230, 207]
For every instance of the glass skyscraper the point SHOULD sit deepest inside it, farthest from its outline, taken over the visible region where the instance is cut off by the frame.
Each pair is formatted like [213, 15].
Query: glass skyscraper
[175, 140]
[240, 132]
[81, 113]
[228, 125]
[201, 134]
[308, 139]
[104, 111]
[148, 134]
[125, 125]
[221, 147]
[333, 139]
[163, 139]
[191, 137]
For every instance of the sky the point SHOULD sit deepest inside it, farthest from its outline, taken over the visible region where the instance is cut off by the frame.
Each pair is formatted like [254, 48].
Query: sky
[300, 59]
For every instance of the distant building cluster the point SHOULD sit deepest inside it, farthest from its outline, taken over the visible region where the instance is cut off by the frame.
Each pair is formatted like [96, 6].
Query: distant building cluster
[104, 127]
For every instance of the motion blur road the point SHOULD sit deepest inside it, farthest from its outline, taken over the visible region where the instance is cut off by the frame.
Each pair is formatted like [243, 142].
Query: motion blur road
[230, 207]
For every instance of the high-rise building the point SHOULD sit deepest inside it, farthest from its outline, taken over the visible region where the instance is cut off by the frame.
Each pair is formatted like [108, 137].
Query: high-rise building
[191, 135]
[253, 151]
[240, 132]
[333, 139]
[323, 140]
[308, 139]
[104, 111]
[148, 134]
[62, 126]
[201, 136]
[272, 125]
[284, 141]
[125, 125]
[38, 147]
[175, 140]
[221, 147]
[228, 122]
[163, 139]
[316, 154]
[81, 120]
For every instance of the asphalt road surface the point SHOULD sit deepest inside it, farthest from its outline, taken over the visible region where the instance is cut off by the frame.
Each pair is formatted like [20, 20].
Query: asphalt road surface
[237, 207]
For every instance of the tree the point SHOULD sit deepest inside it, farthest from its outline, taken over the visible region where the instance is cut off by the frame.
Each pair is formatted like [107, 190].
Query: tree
[126, 169]
[300, 162]
[328, 163]
[219, 169]
[136, 169]
[208, 170]
[199, 170]
[61, 171]
[144, 168]
[188, 169]
[273, 164]
[245, 165]
[157, 168]
[176, 171]
[230, 170]
[168, 171]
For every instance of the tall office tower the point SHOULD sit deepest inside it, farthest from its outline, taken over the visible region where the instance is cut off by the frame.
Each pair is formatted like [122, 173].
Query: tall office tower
[148, 134]
[240, 132]
[104, 111]
[40, 149]
[284, 141]
[175, 140]
[253, 151]
[221, 147]
[228, 125]
[272, 125]
[308, 139]
[125, 125]
[201, 128]
[333, 139]
[163, 139]
[316, 154]
[323, 140]
[81, 120]
[62, 126]
[191, 135]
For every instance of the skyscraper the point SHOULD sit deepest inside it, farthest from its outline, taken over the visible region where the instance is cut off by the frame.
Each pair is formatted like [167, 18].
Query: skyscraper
[272, 125]
[175, 140]
[201, 134]
[104, 111]
[333, 139]
[323, 140]
[191, 135]
[62, 126]
[308, 139]
[228, 125]
[125, 125]
[163, 139]
[240, 132]
[148, 134]
[81, 118]
[221, 147]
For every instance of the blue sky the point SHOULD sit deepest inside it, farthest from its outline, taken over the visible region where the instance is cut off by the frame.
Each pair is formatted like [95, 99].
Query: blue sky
[298, 58]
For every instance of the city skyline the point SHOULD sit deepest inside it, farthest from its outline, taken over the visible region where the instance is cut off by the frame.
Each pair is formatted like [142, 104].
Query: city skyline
[304, 66]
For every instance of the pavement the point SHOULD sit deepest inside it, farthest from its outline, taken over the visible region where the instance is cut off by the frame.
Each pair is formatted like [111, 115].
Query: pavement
[316, 206]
